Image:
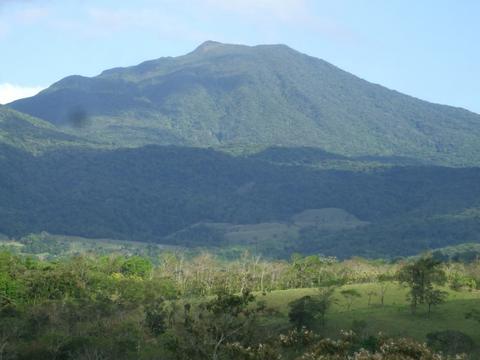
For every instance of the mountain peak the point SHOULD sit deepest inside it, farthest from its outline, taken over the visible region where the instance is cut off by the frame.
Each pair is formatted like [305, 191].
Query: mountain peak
[208, 45]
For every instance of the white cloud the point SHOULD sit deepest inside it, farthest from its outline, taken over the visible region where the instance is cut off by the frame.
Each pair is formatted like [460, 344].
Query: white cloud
[10, 92]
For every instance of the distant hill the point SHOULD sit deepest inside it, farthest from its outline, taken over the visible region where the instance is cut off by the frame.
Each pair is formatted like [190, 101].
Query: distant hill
[231, 95]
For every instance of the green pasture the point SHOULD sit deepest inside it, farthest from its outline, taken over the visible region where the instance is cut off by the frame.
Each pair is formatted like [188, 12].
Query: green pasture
[393, 319]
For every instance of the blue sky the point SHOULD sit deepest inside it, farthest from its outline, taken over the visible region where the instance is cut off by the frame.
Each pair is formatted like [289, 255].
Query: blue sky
[429, 49]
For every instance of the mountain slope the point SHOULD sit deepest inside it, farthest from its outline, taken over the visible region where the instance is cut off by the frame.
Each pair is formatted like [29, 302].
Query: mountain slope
[223, 94]
[27, 133]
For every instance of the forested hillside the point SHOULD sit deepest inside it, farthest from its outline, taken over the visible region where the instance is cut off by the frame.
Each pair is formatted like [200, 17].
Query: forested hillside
[34, 135]
[265, 95]
[149, 193]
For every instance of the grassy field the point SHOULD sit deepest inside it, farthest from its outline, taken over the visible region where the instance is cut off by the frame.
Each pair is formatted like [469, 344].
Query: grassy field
[394, 318]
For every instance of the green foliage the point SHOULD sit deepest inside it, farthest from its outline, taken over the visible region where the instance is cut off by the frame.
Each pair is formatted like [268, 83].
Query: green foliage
[207, 330]
[156, 318]
[460, 282]
[137, 266]
[42, 244]
[434, 297]
[421, 276]
[307, 310]
[450, 342]
[350, 295]
[85, 307]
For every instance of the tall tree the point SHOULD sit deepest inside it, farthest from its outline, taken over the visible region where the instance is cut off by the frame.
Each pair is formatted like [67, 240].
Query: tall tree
[421, 276]
[350, 295]
[304, 312]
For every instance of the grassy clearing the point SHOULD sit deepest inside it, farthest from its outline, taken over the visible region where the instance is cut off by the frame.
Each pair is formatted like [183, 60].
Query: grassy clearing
[394, 318]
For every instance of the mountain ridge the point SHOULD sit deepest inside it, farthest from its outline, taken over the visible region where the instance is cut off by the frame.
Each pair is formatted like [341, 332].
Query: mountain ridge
[271, 95]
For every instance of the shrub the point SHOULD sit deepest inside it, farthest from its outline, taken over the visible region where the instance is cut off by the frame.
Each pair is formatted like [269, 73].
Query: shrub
[450, 341]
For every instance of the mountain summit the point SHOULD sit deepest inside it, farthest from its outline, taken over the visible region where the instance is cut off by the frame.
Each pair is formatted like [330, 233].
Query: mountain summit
[209, 45]
[229, 95]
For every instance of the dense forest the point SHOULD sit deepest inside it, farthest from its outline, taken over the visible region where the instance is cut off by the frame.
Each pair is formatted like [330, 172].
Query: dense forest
[156, 194]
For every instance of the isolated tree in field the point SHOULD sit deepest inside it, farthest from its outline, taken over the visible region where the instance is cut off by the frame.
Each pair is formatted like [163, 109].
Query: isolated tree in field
[350, 295]
[307, 310]
[420, 277]
[326, 300]
[383, 282]
[371, 294]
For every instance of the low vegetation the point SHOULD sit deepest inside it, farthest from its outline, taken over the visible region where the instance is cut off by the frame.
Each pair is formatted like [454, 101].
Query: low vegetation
[179, 306]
